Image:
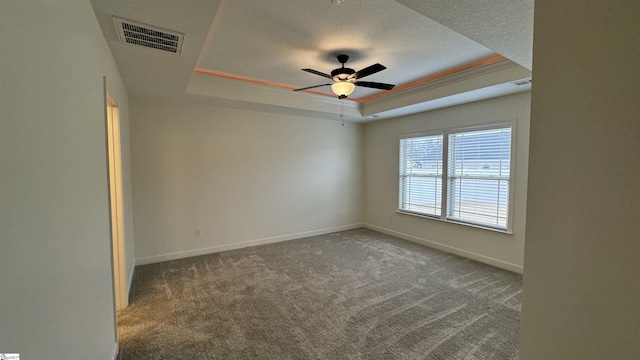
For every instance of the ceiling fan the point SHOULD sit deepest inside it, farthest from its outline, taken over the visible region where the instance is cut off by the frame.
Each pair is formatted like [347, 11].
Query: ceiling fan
[345, 80]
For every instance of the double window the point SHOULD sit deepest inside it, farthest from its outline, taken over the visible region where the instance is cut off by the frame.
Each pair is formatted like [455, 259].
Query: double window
[461, 175]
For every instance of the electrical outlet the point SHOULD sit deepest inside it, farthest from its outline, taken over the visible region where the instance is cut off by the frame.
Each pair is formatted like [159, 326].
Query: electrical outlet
[198, 231]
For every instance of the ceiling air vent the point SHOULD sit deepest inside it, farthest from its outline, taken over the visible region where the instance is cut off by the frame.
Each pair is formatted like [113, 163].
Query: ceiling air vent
[131, 32]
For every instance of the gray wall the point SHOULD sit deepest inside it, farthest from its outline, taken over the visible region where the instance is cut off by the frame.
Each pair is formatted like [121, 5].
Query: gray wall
[55, 275]
[381, 181]
[581, 284]
[243, 177]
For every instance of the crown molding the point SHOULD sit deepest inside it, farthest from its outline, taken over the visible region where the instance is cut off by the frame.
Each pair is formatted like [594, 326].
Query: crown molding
[229, 89]
[465, 86]
[499, 72]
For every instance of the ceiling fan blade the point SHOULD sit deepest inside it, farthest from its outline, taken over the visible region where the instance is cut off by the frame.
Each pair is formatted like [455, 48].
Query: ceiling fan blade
[311, 87]
[375, 85]
[369, 70]
[318, 73]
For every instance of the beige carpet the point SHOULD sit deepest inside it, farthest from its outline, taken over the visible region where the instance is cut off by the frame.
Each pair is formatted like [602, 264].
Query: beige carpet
[355, 294]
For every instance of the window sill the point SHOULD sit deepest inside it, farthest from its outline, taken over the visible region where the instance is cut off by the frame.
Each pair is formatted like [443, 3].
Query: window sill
[424, 216]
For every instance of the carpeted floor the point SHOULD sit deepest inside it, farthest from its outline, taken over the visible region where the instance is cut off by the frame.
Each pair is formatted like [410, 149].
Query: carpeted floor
[356, 294]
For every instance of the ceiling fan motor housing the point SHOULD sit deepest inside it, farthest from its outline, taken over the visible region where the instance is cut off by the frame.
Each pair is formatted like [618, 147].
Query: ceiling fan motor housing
[342, 74]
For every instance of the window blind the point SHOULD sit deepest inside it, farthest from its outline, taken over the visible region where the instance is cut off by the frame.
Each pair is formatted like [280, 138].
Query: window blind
[421, 170]
[478, 176]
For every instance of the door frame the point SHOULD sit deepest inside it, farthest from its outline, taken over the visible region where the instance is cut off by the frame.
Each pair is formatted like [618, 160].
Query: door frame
[116, 208]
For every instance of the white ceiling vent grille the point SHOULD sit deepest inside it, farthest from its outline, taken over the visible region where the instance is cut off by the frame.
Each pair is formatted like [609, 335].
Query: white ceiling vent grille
[131, 32]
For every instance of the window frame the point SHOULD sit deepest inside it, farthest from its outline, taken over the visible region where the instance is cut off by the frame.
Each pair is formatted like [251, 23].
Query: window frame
[442, 176]
[445, 176]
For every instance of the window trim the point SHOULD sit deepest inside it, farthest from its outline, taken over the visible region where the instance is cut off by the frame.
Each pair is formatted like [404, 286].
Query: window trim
[445, 132]
[442, 177]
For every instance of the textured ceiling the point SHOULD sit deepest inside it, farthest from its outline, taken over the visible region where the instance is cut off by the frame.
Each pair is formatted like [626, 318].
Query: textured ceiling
[504, 26]
[272, 41]
[248, 53]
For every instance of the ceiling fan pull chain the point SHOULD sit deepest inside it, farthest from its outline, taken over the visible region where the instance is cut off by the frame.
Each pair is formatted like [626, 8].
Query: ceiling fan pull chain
[341, 110]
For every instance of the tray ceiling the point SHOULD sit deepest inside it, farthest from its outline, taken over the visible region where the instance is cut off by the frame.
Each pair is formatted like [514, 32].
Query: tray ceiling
[251, 51]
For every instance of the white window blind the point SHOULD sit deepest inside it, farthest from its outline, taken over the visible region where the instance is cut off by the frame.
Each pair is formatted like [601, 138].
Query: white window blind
[421, 175]
[479, 176]
[476, 180]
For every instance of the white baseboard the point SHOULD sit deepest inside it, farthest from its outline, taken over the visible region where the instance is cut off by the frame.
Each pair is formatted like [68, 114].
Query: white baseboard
[243, 244]
[130, 281]
[449, 249]
[116, 349]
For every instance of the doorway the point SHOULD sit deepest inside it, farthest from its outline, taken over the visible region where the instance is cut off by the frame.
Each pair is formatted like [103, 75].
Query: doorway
[116, 206]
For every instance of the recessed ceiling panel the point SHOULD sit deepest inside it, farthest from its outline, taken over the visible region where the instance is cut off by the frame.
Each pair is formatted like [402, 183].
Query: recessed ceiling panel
[232, 48]
[270, 42]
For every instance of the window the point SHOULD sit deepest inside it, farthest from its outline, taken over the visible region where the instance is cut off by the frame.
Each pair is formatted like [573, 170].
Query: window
[421, 175]
[474, 186]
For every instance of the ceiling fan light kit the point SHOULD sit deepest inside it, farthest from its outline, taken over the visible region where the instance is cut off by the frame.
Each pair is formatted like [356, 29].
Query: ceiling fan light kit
[343, 88]
[345, 79]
